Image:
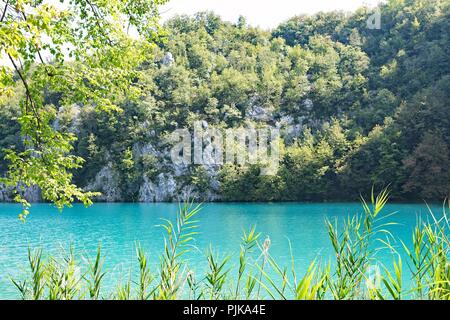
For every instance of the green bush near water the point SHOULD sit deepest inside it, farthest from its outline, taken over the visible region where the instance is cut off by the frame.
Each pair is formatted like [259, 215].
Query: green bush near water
[257, 275]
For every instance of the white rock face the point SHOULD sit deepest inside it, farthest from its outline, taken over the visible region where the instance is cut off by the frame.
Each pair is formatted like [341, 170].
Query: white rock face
[163, 190]
[168, 59]
[107, 182]
[189, 193]
[140, 150]
[4, 193]
[308, 104]
[171, 182]
[285, 121]
[31, 194]
[259, 113]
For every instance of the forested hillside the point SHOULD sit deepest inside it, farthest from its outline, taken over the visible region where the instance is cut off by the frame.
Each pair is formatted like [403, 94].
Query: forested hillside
[366, 107]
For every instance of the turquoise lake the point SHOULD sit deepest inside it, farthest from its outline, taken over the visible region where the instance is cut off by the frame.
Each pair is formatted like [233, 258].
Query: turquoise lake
[119, 226]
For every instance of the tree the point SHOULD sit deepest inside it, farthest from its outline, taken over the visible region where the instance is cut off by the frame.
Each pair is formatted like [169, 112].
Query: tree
[429, 168]
[82, 50]
[305, 167]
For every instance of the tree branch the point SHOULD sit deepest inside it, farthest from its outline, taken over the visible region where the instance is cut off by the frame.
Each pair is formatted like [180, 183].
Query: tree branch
[28, 93]
[37, 48]
[4, 11]
[98, 18]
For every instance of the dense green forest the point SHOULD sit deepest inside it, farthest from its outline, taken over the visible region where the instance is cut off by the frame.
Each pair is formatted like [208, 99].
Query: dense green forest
[367, 107]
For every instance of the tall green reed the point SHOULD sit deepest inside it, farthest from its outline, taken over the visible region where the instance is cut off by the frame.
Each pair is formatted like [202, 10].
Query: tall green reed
[348, 275]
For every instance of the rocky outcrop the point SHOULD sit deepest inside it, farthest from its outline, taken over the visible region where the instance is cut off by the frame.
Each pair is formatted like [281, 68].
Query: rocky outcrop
[190, 193]
[5, 193]
[164, 189]
[107, 182]
[168, 59]
[259, 113]
[161, 179]
[31, 194]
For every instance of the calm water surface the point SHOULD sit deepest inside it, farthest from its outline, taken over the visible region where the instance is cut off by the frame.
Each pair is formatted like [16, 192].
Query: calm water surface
[119, 226]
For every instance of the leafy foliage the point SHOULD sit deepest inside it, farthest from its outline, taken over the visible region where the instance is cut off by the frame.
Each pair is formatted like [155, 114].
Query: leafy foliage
[85, 56]
[358, 102]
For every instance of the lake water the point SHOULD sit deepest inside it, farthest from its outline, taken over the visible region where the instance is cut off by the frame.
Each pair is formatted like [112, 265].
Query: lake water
[118, 226]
